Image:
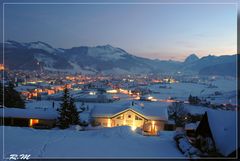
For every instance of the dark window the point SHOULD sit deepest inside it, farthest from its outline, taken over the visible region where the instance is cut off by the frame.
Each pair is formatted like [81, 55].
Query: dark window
[129, 116]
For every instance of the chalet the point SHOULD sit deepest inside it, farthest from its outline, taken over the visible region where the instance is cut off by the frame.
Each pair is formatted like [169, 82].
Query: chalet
[217, 133]
[28, 117]
[150, 119]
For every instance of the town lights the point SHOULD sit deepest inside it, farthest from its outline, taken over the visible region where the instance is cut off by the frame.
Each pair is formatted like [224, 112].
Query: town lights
[150, 97]
[137, 98]
[113, 91]
[154, 99]
[92, 93]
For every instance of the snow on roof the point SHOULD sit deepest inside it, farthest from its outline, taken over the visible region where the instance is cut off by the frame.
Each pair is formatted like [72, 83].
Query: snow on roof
[191, 126]
[152, 112]
[223, 128]
[29, 113]
[24, 88]
[149, 112]
[106, 110]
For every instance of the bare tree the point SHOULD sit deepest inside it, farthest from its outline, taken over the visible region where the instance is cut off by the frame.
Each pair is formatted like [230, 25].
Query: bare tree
[178, 113]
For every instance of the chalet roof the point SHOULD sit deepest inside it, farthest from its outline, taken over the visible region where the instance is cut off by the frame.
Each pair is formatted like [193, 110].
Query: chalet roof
[224, 130]
[25, 88]
[150, 112]
[29, 113]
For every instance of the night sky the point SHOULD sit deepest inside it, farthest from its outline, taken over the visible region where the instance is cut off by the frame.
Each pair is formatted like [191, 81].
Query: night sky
[157, 31]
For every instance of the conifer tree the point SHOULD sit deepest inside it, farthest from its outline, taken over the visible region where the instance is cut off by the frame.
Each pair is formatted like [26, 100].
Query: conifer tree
[11, 97]
[73, 113]
[68, 114]
[63, 118]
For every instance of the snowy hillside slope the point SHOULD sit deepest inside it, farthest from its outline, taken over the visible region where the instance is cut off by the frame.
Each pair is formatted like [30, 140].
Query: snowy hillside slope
[115, 142]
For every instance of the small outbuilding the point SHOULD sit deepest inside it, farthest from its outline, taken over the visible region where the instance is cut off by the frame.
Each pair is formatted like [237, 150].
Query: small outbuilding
[217, 133]
[28, 117]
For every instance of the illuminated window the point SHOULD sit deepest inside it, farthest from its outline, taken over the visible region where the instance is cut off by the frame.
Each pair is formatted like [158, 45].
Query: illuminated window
[109, 122]
[33, 122]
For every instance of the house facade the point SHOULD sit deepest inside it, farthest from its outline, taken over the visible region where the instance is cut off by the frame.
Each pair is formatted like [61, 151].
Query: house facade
[149, 120]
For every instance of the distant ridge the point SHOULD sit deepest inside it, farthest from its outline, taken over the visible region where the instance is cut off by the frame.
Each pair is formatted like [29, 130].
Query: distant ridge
[107, 59]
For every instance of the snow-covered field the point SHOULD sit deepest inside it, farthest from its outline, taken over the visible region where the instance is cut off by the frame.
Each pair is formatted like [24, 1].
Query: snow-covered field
[181, 91]
[117, 142]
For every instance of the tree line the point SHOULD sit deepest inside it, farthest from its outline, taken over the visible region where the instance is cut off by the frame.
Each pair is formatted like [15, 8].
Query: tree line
[10, 97]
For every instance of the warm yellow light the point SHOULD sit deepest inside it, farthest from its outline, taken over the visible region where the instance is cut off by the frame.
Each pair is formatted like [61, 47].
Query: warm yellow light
[92, 93]
[109, 123]
[153, 127]
[113, 91]
[133, 128]
[1, 67]
[153, 122]
[137, 98]
[33, 122]
[130, 92]
[154, 100]
[150, 97]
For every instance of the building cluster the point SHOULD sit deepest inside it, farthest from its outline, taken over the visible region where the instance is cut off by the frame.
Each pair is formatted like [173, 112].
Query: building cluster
[49, 85]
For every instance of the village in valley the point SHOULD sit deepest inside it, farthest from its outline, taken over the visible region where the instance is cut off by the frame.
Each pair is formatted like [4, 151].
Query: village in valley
[162, 115]
[106, 79]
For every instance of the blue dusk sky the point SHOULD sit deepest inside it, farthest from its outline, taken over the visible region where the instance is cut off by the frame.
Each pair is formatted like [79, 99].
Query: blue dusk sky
[156, 31]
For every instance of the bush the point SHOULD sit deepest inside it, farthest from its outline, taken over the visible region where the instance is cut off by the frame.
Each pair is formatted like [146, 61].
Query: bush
[178, 113]
[78, 128]
[84, 123]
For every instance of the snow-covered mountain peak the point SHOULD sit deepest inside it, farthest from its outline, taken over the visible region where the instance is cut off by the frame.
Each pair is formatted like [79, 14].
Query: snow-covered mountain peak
[41, 45]
[106, 52]
[13, 44]
[105, 46]
[30, 45]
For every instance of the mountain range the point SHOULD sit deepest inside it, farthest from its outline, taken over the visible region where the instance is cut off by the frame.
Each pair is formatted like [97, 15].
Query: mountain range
[106, 59]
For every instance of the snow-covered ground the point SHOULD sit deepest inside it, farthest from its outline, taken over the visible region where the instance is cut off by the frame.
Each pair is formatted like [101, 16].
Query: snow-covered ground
[181, 91]
[112, 142]
[117, 142]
